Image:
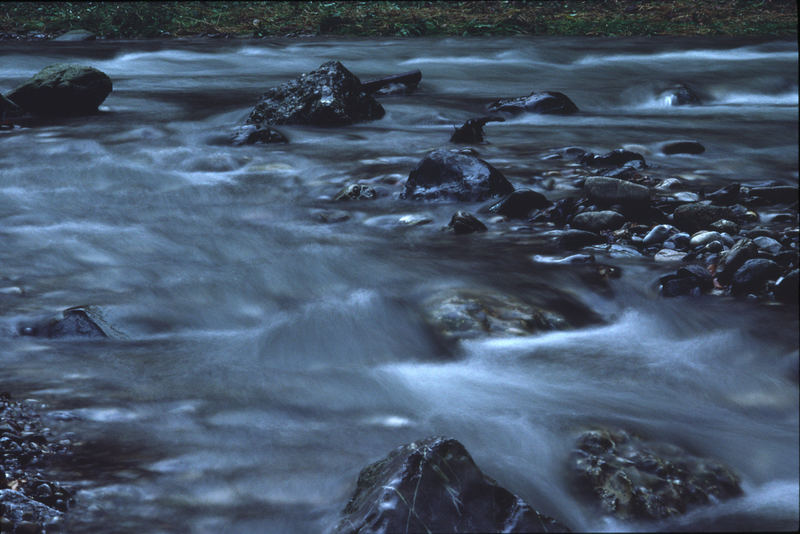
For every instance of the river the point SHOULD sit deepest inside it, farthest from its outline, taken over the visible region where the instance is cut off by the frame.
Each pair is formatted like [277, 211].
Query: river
[265, 357]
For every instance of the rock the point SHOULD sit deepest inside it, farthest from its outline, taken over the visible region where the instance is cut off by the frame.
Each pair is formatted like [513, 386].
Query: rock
[466, 314]
[575, 239]
[605, 191]
[596, 221]
[442, 174]
[356, 192]
[725, 196]
[328, 96]
[778, 194]
[465, 223]
[331, 216]
[753, 275]
[704, 237]
[76, 35]
[8, 109]
[768, 245]
[251, 134]
[546, 102]
[25, 514]
[472, 130]
[615, 158]
[666, 255]
[74, 322]
[787, 287]
[699, 216]
[637, 480]
[668, 184]
[679, 95]
[520, 203]
[729, 263]
[682, 147]
[63, 89]
[433, 485]
[724, 225]
[659, 234]
[679, 241]
[404, 83]
[689, 280]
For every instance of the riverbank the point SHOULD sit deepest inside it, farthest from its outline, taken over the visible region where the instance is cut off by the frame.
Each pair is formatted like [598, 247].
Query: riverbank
[131, 20]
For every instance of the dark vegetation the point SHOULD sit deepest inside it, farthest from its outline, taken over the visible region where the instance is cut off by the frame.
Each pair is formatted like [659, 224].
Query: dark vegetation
[125, 20]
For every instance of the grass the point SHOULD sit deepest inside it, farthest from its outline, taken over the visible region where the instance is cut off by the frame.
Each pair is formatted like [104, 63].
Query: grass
[126, 20]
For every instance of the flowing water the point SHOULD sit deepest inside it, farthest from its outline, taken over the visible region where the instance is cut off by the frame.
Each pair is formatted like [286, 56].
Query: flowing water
[266, 357]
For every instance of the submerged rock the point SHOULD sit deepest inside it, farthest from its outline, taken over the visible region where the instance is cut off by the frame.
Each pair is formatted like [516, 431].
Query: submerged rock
[465, 223]
[442, 174]
[725, 196]
[679, 95]
[699, 216]
[605, 191]
[80, 321]
[63, 89]
[251, 134]
[682, 147]
[433, 485]
[8, 109]
[520, 203]
[546, 102]
[328, 96]
[634, 479]
[615, 158]
[356, 192]
[472, 130]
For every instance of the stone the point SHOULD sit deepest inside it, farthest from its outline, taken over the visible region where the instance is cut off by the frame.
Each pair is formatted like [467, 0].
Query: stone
[8, 109]
[81, 321]
[472, 130]
[251, 134]
[575, 239]
[742, 251]
[726, 226]
[615, 158]
[699, 216]
[753, 276]
[76, 35]
[666, 255]
[597, 221]
[689, 280]
[725, 196]
[686, 196]
[704, 237]
[682, 147]
[520, 203]
[328, 96]
[356, 192]
[63, 89]
[767, 244]
[679, 241]
[659, 234]
[463, 222]
[545, 102]
[777, 194]
[605, 191]
[442, 174]
[433, 485]
[331, 216]
[786, 287]
[679, 95]
[634, 479]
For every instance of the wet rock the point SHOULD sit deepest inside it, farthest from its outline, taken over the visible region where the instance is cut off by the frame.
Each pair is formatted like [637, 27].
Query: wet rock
[787, 286]
[778, 194]
[724, 225]
[25, 514]
[742, 251]
[8, 109]
[725, 196]
[668, 184]
[615, 158]
[767, 244]
[666, 255]
[682, 147]
[331, 216]
[463, 222]
[679, 95]
[81, 321]
[689, 280]
[679, 241]
[442, 174]
[251, 134]
[63, 89]
[466, 314]
[633, 479]
[753, 276]
[659, 234]
[575, 239]
[605, 191]
[76, 35]
[433, 485]
[546, 102]
[394, 84]
[328, 96]
[686, 196]
[472, 130]
[520, 203]
[699, 216]
[704, 237]
[356, 192]
[597, 221]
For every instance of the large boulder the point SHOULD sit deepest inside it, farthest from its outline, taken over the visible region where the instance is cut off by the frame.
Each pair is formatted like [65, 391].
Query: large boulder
[63, 89]
[328, 96]
[433, 485]
[9, 109]
[634, 479]
[442, 174]
[546, 102]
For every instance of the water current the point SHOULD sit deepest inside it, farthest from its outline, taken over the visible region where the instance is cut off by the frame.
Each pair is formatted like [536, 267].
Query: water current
[265, 357]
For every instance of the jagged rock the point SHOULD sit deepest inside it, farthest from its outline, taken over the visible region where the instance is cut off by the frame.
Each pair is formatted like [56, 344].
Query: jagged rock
[547, 102]
[356, 192]
[699, 216]
[472, 130]
[63, 89]
[634, 479]
[615, 158]
[80, 321]
[433, 485]
[682, 147]
[753, 275]
[597, 221]
[520, 203]
[251, 134]
[465, 223]
[328, 96]
[605, 191]
[442, 174]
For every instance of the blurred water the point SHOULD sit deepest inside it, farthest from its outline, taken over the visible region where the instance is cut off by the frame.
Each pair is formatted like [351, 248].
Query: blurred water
[268, 357]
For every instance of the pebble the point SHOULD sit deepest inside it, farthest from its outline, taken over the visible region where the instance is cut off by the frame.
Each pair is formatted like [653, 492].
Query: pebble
[703, 238]
[659, 234]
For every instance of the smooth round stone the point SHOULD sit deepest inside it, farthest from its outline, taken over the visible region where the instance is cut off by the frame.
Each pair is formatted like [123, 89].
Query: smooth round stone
[686, 196]
[679, 241]
[703, 238]
[666, 255]
[714, 246]
[768, 245]
[667, 184]
[414, 220]
[659, 234]
[596, 221]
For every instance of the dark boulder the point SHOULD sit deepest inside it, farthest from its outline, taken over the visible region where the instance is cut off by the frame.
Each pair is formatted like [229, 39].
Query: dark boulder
[433, 485]
[786, 288]
[63, 89]
[634, 479]
[520, 203]
[605, 191]
[682, 147]
[442, 174]
[753, 275]
[699, 216]
[251, 134]
[8, 109]
[404, 83]
[546, 102]
[615, 158]
[777, 194]
[472, 130]
[328, 96]
[742, 251]
[725, 196]
[689, 280]
[575, 239]
[679, 95]
[79, 321]
[465, 223]
[597, 221]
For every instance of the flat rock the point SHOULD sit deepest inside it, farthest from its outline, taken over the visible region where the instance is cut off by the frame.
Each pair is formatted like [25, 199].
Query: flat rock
[433, 485]
[699, 216]
[682, 147]
[575, 239]
[76, 35]
[546, 102]
[597, 221]
[63, 89]
[605, 191]
[520, 203]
